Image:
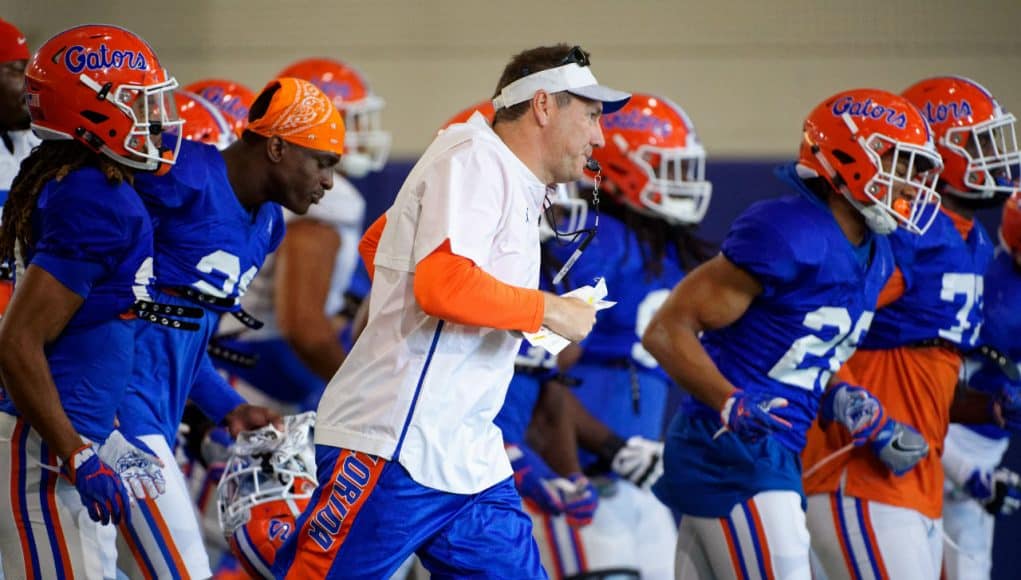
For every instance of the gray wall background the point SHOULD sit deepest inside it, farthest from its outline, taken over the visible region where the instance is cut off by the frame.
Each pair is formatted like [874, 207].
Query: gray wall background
[747, 72]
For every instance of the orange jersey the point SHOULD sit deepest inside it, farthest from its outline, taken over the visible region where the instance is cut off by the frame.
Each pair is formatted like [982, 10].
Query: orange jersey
[916, 386]
[6, 290]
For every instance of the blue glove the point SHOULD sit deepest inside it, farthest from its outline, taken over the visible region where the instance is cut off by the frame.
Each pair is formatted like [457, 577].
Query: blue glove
[854, 408]
[101, 490]
[748, 415]
[535, 480]
[580, 501]
[998, 491]
[899, 446]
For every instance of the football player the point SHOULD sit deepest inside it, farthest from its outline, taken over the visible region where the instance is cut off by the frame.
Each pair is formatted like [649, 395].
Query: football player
[653, 194]
[755, 333]
[83, 244]
[304, 284]
[865, 519]
[977, 488]
[216, 217]
[18, 139]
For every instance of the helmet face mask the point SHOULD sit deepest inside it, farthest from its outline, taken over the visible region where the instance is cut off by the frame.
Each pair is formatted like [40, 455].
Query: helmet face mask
[104, 87]
[266, 484]
[677, 189]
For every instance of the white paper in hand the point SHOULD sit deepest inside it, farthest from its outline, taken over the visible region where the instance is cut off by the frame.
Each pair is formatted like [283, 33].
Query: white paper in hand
[553, 342]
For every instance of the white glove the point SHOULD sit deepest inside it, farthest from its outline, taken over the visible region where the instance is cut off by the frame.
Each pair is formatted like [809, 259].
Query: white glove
[138, 465]
[640, 461]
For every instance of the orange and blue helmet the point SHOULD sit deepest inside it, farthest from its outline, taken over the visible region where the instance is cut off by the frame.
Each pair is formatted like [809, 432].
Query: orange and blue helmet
[103, 86]
[232, 100]
[367, 145]
[974, 134]
[655, 159]
[844, 141]
[203, 122]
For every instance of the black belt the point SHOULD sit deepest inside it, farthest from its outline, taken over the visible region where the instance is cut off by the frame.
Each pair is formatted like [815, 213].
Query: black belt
[227, 354]
[169, 315]
[225, 303]
[1003, 362]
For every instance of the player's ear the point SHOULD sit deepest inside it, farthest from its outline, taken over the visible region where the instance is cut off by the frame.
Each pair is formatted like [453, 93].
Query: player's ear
[276, 148]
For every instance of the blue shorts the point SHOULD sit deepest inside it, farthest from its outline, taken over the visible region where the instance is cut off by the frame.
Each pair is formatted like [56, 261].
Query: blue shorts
[707, 477]
[167, 363]
[367, 516]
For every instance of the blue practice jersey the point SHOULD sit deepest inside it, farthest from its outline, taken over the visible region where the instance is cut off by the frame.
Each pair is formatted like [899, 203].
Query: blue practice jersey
[205, 239]
[95, 238]
[617, 255]
[818, 297]
[1000, 330]
[942, 287]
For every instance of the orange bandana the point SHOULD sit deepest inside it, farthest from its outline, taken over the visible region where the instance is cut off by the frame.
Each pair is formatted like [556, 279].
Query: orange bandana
[300, 113]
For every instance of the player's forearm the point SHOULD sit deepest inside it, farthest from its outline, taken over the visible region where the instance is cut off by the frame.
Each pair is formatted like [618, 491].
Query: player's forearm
[552, 430]
[27, 380]
[323, 354]
[680, 353]
[212, 394]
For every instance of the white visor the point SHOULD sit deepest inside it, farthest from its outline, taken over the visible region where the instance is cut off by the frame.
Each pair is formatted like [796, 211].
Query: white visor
[571, 77]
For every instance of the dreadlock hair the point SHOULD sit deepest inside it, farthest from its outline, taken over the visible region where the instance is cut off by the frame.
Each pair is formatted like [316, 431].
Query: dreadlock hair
[50, 160]
[656, 235]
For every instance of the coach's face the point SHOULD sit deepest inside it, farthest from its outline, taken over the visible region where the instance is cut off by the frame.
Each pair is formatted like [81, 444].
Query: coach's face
[574, 133]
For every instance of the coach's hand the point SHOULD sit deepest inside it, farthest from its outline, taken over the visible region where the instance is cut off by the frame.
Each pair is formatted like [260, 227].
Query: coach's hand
[138, 465]
[247, 417]
[569, 317]
[100, 489]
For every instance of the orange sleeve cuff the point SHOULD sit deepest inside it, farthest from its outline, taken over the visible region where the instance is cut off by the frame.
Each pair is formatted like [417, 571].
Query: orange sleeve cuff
[893, 290]
[453, 288]
[370, 241]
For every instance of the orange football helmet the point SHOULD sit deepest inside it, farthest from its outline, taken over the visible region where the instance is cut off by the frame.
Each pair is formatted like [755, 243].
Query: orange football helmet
[973, 134]
[266, 484]
[1010, 226]
[203, 122]
[231, 98]
[845, 140]
[367, 144]
[103, 86]
[484, 107]
[654, 158]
